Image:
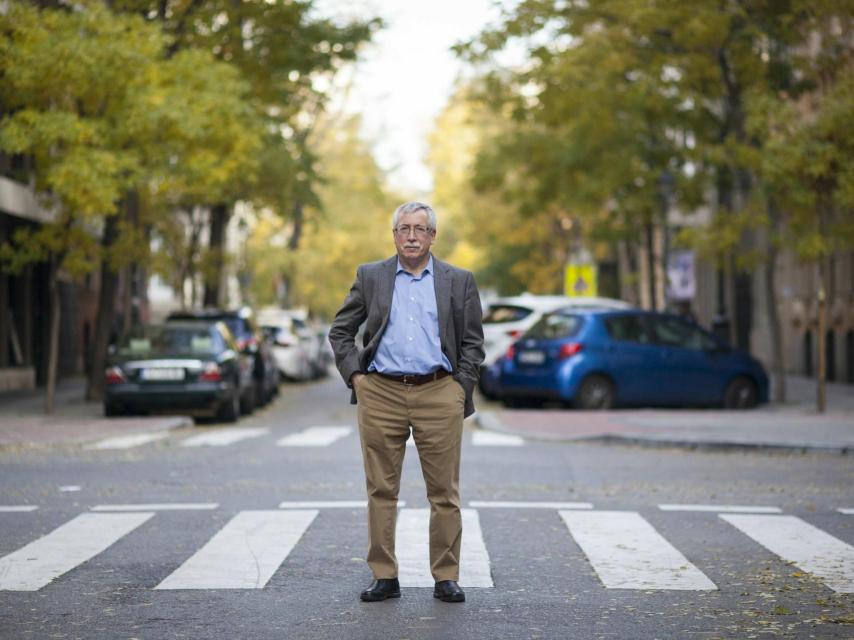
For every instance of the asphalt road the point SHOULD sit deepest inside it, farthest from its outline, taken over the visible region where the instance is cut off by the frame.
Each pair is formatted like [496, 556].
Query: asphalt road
[260, 536]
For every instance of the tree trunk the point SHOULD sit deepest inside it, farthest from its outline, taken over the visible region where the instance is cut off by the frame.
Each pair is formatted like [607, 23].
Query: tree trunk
[650, 264]
[293, 242]
[778, 360]
[820, 396]
[105, 314]
[129, 271]
[126, 279]
[220, 214]
[53, 338]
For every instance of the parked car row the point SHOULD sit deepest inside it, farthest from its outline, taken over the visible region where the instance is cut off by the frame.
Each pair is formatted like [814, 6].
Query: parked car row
[300, 348]
[213, 362]
[609, 357]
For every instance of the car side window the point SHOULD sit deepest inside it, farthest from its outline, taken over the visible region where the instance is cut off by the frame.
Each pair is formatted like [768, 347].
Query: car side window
[228, 337]
[218, 340]
[501, 313]
[626, 328]
[676, 333]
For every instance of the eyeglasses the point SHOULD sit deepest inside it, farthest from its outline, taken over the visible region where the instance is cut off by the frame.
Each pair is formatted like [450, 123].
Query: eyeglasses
[405, 229]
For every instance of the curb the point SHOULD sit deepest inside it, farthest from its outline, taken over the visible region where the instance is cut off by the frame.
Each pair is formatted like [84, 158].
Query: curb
[488, 422]
[111, 428]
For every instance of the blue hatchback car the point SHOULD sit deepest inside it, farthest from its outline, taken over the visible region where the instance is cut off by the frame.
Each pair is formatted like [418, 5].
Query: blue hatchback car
[599, 359]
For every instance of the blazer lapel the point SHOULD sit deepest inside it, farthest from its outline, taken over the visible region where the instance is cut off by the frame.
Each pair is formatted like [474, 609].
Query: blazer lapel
[385, 287]
[442, 287]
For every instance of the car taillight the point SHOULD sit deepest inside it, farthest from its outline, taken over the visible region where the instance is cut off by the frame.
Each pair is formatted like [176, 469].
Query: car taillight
[511, 352]
[211, 373]
[568, 350]
[247, 343]
[114, 375]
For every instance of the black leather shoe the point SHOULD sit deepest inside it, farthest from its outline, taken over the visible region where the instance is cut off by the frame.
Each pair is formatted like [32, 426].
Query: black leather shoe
[381, 590]
[449, 591]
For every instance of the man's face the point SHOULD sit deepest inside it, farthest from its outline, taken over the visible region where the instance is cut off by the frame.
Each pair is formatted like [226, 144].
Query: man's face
[412, 236]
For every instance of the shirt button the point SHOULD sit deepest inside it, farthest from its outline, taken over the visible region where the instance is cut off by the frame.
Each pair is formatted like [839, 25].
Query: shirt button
[413, 299]
[410, 337]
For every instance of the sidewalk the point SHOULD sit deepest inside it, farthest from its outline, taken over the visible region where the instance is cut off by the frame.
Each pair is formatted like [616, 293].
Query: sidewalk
[793, 426]
[23, 423]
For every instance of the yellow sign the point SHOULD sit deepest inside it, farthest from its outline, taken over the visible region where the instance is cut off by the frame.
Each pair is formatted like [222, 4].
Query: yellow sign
[580, 280]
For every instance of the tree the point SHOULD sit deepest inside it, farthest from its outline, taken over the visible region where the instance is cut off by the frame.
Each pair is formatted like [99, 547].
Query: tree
[809, 181]
[350, 227]
[616, 96]
[282, 49]
[99, 134]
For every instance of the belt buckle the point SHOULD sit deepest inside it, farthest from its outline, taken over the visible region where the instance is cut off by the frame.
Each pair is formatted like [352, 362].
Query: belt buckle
[407, 382]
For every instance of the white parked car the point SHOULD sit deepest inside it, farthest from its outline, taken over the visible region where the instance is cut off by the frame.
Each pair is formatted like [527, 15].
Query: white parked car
[298, 345]
[506, 319]
[290, 355]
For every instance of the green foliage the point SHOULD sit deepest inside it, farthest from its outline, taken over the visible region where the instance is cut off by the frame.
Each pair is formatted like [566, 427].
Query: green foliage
[93, 98]
[281, 51]
[616, 95]
[353, 227]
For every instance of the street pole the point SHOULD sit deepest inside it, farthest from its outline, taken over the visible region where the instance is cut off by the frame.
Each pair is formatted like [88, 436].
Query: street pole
[822, 365]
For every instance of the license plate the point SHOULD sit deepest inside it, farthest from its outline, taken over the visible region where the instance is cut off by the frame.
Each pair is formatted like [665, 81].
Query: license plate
[162, 374]
[532, 357]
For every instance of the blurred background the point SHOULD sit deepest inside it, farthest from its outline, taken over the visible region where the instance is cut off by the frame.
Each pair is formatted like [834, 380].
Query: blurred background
[166, 157]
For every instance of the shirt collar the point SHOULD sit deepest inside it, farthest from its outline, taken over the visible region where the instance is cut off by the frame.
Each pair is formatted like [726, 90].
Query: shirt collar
[427, 269]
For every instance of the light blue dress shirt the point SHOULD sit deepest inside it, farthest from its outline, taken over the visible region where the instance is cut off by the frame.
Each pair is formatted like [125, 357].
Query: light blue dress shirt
[410, 343]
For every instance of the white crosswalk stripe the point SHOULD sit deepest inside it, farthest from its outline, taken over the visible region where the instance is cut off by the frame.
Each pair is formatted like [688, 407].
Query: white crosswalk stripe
[718, 508]
[628, 553]
[802, 544]
[315, 437]
[245, 553]
[33, 566]
[224, 437]
[158, 506]
[413, 552]
[492, 439]
[128, 441]
[623, 548]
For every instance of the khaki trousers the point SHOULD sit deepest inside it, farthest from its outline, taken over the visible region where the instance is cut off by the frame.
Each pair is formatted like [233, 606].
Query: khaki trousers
[386, 409]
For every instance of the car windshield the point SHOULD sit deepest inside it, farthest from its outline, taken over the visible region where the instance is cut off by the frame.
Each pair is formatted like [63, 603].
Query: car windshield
[169, 339]
[555, 325]
[505, 313]
[239, 327]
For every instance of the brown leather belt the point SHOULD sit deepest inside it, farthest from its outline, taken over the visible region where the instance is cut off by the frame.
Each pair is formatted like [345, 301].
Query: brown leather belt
[412, 378]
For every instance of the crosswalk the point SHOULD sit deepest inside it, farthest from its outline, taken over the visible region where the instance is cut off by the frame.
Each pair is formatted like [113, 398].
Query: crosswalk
[624, 548]
[315, 436]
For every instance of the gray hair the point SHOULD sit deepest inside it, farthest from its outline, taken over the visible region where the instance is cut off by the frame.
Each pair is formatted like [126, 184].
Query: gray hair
[414, 207]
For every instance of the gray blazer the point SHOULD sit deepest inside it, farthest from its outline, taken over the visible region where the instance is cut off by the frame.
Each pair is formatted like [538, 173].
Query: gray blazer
[369, 301]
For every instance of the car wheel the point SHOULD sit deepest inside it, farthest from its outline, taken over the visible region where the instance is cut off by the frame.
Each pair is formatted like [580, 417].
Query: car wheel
[522, 402]
[230, 409]
[741, 393]
[112, 410]
[596, 392]
[484, 389]
[260, 393]
[247, 403]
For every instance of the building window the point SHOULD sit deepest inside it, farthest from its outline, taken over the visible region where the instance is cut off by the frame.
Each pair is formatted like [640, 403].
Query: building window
[808, 353]
[849, 356]
[830, 356]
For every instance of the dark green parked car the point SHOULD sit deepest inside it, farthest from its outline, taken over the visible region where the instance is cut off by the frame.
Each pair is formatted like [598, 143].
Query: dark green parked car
[190, 367]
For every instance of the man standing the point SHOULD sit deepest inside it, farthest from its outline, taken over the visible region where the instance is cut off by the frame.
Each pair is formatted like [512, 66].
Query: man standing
[423, 345]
